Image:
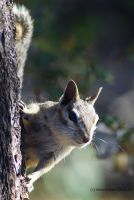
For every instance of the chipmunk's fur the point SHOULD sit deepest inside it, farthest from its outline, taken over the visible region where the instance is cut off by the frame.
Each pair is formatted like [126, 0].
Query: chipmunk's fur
[52, 129]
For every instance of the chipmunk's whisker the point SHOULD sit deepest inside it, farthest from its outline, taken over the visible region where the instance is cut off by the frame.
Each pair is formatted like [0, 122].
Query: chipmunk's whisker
[123, 150]
[103, 140]
[96, 147]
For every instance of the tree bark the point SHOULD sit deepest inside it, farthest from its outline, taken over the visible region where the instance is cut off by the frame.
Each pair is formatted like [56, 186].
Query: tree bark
[12, 182]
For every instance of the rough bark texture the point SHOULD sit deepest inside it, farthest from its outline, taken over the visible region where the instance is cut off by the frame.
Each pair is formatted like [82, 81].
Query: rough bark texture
[12, 184]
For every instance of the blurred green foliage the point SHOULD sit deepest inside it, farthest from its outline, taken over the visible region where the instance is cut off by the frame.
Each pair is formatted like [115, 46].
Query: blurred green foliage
[66, 42]
[74, 179]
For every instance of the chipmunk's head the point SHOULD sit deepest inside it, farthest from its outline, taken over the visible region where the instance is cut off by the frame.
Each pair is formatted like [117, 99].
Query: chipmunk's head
[78, 115]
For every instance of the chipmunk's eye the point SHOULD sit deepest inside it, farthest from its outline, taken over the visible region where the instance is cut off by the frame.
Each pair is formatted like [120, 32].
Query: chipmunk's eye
[73, 116]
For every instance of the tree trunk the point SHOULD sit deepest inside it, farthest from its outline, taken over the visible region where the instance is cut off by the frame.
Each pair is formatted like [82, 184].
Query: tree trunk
[12, 182]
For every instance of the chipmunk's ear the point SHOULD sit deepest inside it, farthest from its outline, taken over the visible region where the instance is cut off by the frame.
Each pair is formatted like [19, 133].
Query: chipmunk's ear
[92, 99]
[71, 93]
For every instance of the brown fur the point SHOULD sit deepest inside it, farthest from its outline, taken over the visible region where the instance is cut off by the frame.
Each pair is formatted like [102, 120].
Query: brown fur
[54, 129]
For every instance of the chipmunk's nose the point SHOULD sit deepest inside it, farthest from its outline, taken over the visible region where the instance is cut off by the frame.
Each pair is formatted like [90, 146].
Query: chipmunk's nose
[85, 139]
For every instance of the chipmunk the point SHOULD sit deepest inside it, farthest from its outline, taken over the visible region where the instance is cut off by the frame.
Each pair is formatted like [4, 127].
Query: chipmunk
[53, 129]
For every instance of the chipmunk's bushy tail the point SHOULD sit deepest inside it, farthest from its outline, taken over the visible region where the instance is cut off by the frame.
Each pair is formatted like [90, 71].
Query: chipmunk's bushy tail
[23, 36]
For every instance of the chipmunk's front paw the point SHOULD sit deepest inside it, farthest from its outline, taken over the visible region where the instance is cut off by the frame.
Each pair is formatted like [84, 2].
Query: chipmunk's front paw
[29, 184]
[21, 105]
[23, 110]
[31, 178]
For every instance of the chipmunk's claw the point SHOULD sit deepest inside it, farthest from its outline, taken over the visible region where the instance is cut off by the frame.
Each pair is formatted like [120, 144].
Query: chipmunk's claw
[29, 184]
[21, 105]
